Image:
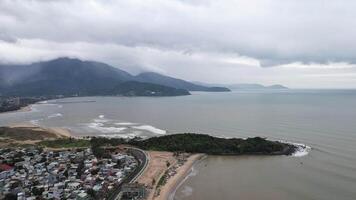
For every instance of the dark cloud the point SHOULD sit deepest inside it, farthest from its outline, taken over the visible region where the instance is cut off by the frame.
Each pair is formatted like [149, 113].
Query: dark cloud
[145, 35]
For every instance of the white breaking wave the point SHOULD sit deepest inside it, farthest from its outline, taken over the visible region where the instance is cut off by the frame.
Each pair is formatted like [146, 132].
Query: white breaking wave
[55, 115]
[129, 135]
[101, 128]
[125, 123]
[101, 119]
[302, 150]
[151, 129]
[35, 121]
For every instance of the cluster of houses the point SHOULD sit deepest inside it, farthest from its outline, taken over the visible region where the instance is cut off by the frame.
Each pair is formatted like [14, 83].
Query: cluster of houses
[31, 173]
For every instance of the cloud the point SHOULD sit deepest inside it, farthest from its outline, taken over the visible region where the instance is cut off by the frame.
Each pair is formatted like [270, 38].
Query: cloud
[228, 40]
[273, 31]
[7, 38]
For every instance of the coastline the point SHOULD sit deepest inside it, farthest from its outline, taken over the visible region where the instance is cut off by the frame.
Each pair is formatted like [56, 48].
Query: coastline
[181, 173]
[27, 108]
[59, 132]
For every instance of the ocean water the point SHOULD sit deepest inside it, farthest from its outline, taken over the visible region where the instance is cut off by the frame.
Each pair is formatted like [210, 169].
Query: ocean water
[325, 120]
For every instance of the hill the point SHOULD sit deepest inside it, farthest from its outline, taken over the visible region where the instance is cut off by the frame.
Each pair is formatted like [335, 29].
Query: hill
[67, 76]
[191, 143]
[200, 143]
[151, 77]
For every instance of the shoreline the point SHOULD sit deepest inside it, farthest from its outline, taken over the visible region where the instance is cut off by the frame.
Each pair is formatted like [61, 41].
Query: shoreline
[60, 132]
[172, 184]
[27, 108]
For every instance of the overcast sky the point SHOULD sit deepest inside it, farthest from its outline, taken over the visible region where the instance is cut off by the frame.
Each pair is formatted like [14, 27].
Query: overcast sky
[298, 43]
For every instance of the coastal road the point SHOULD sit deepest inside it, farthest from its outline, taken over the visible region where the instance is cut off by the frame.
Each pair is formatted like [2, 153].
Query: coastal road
[143, 159]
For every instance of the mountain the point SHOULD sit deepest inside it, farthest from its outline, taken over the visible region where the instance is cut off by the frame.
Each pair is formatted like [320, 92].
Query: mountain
[67, 76]
[151, 77]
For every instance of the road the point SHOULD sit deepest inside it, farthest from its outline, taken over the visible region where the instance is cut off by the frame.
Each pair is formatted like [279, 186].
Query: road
[143, 159]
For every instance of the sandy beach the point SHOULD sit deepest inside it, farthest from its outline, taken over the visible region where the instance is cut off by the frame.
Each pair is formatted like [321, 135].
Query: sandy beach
[59, 132]
[157, 167]
[22, 109]
[174, 181]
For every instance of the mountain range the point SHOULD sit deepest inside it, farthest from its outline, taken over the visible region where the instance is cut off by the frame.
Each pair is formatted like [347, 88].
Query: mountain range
[68, 76]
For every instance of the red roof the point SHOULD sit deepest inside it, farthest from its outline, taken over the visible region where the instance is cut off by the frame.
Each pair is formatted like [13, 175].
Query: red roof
[5, 167]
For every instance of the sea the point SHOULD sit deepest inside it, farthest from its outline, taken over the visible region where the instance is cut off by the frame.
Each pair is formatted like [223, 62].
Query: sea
[322, 120]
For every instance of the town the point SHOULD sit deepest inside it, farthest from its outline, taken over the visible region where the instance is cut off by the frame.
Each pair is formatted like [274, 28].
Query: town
[35, 173]
[15, 103]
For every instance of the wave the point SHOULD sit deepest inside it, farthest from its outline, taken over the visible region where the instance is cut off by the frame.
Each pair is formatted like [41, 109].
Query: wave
[101, 128]
[101, 119]
[125, 123]
[151, 129]
[129, 135]
[54, 115]
[35, 121]
[302, 149]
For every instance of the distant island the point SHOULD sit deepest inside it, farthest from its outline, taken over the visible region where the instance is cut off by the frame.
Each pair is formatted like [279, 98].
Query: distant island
[247, 86]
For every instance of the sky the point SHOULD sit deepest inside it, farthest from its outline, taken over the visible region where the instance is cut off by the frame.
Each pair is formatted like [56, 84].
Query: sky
[297, 43]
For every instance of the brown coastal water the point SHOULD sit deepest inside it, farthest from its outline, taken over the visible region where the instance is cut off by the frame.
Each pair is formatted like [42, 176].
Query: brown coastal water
[322, 119]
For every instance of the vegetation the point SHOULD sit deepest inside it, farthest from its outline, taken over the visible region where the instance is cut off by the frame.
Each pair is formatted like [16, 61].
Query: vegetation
[198, 143]
[65, 143]
[186, 142]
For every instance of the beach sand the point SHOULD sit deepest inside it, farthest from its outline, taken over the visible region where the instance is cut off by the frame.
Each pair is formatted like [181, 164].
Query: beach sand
[157, 167]
[174, 181]
[59, 132]
[22, 109]
[27, 133]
